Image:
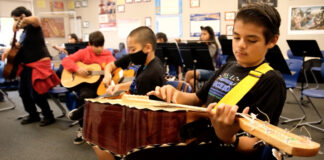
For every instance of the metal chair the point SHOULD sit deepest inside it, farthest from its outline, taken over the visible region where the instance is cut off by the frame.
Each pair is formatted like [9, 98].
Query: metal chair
[317, 69]
[295, 66]
[314, 93]
[60, 90]
[2, 81]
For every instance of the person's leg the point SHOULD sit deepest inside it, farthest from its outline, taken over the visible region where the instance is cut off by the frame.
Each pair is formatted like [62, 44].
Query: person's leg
[41, 101]
[85, 91]
[26, 92]
[189, 77]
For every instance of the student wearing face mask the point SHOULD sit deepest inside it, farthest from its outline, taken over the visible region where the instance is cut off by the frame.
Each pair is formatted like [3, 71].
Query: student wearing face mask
[141, 44]
[92, 54]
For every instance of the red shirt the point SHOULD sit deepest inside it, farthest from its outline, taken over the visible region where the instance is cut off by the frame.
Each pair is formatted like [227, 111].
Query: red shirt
[87, 56]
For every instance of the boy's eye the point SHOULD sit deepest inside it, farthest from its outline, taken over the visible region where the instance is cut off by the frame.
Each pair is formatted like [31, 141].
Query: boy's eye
[252, 41]
[237, 38]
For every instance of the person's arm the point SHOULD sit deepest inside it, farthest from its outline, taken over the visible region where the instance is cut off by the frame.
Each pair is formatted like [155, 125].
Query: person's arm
[60, 49]
[32, 20]
[69, 63]
[112, 89]
[170, 94]
[225, 124]
[110, 67]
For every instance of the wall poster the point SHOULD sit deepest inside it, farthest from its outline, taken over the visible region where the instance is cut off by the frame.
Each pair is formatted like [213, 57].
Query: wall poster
[306, 20]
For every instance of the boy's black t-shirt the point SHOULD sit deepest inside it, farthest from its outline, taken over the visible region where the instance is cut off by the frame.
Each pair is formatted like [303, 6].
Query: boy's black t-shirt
[33, 45]
[268, 94]
[147, 77]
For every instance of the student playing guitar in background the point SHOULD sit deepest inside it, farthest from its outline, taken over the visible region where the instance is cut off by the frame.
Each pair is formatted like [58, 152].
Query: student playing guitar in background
[93, 54]
[36, 76]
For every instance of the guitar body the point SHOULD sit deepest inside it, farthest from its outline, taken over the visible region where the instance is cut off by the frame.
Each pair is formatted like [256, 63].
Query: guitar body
[9, 71]
[118, 76]
[69, 79]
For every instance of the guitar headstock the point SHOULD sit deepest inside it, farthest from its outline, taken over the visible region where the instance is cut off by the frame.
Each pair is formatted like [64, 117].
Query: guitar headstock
[283, 139]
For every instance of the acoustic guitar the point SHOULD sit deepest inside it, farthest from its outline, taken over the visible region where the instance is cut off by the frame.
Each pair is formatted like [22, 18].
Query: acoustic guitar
[69, 79]
[118, 76]
[9, 71]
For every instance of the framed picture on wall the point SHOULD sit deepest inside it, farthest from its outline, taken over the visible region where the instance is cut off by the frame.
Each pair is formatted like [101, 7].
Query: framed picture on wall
[148, 21]
[77, 4]
[85, 24]
[121, 8]
[138, 1]
[229, 29]
[194, 3]
[229, 16]
[129, 1]
[84, 3]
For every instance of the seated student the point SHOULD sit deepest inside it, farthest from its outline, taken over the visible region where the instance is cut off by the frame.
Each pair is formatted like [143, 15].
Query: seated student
[256, 29]
[207, 36]
[172, 69]
[121, 52]
[141, 44]
[73, 38]
[94, 53]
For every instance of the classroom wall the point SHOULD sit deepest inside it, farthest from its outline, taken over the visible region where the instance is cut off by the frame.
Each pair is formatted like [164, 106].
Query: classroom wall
[147, 9]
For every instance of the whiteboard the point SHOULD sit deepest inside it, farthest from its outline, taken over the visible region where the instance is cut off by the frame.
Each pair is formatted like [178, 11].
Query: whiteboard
[170, 25]
[125, 26]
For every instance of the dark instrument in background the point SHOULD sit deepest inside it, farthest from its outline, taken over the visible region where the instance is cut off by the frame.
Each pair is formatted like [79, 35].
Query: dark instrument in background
[9, 71]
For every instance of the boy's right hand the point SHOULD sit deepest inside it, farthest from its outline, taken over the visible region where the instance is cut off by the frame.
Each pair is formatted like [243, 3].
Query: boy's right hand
[82, 72]
[106, 80]
[112, 89]
[167, 92]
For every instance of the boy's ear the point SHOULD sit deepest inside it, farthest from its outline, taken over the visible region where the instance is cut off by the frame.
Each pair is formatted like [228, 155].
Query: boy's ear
[273, 41]
[147, 48]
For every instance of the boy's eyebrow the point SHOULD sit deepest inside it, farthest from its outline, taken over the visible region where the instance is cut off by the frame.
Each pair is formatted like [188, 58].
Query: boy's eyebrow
[249, 36]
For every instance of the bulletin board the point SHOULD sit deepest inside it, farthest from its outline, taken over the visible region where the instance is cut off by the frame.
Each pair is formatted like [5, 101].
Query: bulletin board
[209, 19]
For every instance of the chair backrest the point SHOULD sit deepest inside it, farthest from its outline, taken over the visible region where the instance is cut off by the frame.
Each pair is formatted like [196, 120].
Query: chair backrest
[2, 64]
[291, 56]
[180, 85]
[295, 66]
[322, 69]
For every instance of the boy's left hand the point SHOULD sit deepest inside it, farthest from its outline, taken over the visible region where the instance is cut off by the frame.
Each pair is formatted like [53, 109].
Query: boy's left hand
[224, 121]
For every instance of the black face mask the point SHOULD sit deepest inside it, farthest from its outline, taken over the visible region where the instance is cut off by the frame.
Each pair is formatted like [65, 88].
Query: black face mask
[138, 58]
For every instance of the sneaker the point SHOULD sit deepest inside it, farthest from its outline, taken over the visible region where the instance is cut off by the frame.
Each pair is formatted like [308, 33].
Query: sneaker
[79, 138]
[30, 119]
[47, 121]
[76, 114]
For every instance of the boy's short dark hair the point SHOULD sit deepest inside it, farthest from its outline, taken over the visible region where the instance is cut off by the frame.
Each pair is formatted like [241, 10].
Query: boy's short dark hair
[19, 11]
[261, 14]
[162, 36]
[144, 35]
[96, 39]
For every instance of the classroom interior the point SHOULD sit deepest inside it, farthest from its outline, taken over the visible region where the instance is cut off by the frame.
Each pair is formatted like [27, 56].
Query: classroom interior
[179, 19]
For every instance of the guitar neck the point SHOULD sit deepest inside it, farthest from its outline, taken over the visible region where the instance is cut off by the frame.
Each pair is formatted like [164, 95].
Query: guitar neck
[95, 73]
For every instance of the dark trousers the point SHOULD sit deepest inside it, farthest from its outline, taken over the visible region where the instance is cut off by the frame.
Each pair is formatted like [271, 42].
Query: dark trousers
[84, 91]
[30, 97]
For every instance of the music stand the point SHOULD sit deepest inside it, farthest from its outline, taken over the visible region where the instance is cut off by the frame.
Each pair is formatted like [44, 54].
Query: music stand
[304, 48]
[73, 47]
[277, 61]
[226, 45]
[201, 58]
[168, 53]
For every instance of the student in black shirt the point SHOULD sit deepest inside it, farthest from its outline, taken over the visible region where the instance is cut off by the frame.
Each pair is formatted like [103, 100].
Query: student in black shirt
[256, 29]
[141, 44]
[34, 58]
